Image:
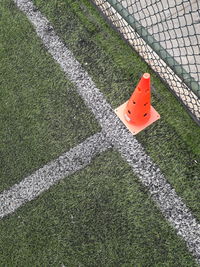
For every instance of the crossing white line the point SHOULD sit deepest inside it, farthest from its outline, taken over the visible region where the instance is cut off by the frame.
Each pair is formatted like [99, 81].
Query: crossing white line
[172, 207]
[70, 162]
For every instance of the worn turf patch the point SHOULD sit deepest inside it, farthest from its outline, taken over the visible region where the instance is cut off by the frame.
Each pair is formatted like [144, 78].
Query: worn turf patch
[173, 142]
[41, 114]
[101, 216]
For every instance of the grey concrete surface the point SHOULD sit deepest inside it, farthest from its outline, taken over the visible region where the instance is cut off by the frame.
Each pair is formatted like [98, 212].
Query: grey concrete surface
[165, 197]
[175, 24]
[163, 13]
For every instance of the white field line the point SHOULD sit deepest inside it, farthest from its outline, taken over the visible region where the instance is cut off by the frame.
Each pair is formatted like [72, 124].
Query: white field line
[32, 186]
[148, 54]
[172, 207]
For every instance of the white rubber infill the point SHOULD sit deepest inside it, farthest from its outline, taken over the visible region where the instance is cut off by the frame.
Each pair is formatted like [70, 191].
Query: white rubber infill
[170, 204]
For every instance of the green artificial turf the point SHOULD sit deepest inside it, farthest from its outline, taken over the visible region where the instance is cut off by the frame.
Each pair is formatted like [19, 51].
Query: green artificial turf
[173, 141]
[41, 115]
[100, 216]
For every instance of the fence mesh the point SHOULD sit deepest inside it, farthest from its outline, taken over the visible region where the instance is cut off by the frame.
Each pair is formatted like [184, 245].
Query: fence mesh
[166, 34]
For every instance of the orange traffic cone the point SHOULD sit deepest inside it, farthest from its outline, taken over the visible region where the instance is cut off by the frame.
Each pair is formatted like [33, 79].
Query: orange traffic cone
[137, 113]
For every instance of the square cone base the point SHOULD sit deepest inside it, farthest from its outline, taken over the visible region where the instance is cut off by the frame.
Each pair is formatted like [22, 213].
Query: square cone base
[133, 128]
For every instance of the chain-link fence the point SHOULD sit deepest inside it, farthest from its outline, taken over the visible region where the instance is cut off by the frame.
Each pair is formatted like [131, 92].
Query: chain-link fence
[166, 33]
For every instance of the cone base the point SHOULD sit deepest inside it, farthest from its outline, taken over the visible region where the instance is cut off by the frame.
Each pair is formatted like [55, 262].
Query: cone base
[133, 128]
